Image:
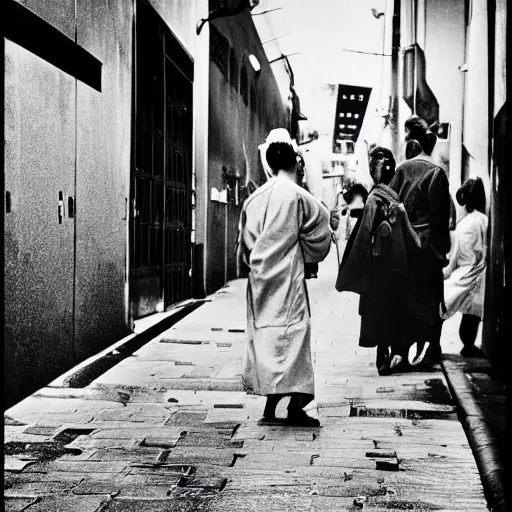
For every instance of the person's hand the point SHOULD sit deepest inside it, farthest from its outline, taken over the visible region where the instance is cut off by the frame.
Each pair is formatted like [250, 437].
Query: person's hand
[335, 219]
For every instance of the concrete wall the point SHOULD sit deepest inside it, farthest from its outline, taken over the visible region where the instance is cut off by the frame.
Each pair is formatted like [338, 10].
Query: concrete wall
[235, 131]
[440, 25]
[445, 28]
[40, 127]
[66, 282]
[495, 339]
[476, 107]
[102, 175]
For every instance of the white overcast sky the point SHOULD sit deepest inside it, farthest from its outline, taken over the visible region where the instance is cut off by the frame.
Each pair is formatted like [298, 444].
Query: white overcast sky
[320, 30]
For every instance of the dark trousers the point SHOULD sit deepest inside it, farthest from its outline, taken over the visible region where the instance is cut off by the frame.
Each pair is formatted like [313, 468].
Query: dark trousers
[469, 329]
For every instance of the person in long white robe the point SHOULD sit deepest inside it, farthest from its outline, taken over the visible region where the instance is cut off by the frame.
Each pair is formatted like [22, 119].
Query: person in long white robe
[282, 226]
[465, 274]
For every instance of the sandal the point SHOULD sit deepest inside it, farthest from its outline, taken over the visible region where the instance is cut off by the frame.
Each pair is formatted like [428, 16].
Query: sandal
[420, 349]
[382, 362]
[301, 420]
[271, 421]
[396, 360]
[387, 361]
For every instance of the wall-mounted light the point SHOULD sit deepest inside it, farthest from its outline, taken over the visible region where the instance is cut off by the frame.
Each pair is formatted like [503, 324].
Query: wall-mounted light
[255, 63]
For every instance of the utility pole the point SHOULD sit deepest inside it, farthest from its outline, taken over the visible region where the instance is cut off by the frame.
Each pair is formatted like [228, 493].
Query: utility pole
[395, 54]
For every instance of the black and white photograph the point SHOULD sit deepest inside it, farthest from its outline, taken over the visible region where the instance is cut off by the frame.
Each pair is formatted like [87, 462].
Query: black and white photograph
[254, 255]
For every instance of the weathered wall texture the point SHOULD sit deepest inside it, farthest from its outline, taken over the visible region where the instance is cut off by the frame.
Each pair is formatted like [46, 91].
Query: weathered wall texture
[235, 131]
[39, 163]
[59, 14]
[102, 175]
[65, 278]
[180, 16]
[66, 282]
[445, 28]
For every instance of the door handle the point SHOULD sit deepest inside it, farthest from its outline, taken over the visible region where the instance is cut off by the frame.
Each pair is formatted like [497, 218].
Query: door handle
[71, 207]
[7, 202]
[61, 207]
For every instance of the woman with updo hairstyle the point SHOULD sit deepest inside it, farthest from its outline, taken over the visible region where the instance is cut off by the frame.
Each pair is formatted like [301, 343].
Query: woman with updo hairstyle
[472, 195]
[417, 129]
[422, 187]
[465, 274]
[282, 229]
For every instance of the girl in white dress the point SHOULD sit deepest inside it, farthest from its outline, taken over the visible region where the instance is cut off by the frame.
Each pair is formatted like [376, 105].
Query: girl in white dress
[465, 274]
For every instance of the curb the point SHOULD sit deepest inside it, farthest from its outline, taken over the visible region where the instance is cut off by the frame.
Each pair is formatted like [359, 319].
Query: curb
[85, 372]
[480, 437]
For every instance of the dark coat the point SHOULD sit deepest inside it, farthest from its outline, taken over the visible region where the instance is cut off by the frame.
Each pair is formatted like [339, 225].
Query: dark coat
[376, 265]
[423, 188]
[379, 246]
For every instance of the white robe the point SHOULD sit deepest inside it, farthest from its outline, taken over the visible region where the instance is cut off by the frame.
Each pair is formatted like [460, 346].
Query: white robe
[281, 227]
[465, 274]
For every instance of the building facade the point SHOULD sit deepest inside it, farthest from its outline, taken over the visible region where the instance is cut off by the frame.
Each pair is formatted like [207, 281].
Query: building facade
[109, 166]
[245, 104]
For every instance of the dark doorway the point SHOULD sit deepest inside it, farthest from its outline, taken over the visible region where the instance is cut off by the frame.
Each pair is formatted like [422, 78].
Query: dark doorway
[161, 179]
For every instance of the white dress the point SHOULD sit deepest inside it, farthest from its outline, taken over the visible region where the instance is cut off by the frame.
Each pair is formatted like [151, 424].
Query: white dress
[281, 227]
[465, 274]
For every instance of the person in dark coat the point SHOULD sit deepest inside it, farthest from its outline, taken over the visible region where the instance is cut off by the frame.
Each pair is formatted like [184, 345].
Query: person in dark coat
[423, 188]
[375, 266]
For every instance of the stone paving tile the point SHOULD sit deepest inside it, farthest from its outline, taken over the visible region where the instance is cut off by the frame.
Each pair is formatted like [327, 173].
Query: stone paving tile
[19, 503]
[186, 504]
[40, 488]
[204, 455]
[136, 432]
[141, 372]
[217, 415]
[79, 466]
[88, 443]
[67, 503]
[19, 434]
[202, 335]
[137, 454]
[138, 413]
[278, 502]
[112, 395]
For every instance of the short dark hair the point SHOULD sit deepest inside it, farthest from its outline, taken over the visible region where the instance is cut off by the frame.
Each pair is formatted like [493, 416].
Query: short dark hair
[357, 189]
[412, 148]
[419, 130]
[472, 195]
[385, 154]
[281, 155]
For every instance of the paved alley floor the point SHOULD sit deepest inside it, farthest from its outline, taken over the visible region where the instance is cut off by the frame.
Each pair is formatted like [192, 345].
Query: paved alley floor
[170, 428]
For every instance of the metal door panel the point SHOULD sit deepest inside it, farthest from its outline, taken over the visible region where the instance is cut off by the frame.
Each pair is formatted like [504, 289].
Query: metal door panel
[161, 191]
[39, 167]
[102, 176]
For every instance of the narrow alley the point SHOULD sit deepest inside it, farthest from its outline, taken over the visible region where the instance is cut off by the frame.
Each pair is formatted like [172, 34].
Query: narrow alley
[166, 159]
[170, 428]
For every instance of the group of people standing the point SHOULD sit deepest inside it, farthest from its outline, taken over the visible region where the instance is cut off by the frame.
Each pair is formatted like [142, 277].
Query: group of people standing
[398, 258]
